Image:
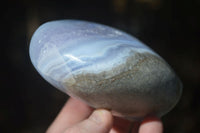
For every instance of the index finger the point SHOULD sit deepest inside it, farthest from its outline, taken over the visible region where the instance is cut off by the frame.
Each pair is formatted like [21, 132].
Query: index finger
[151, 125]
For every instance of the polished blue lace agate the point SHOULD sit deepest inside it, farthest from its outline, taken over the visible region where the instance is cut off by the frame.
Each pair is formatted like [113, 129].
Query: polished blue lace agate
[105, 68]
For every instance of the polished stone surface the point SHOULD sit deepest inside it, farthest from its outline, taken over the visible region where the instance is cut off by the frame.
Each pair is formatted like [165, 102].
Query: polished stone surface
[104, 67]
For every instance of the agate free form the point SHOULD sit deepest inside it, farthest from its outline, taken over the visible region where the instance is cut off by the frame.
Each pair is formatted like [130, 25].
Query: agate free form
[105, 68]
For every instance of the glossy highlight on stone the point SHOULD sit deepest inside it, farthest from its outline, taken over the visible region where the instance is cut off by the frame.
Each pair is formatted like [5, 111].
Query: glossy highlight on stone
[105, 68]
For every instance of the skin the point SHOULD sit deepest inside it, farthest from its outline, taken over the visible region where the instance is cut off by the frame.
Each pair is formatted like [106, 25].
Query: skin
[77, 117]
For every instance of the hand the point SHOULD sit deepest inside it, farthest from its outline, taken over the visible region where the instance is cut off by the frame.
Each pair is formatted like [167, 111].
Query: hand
[77, 117]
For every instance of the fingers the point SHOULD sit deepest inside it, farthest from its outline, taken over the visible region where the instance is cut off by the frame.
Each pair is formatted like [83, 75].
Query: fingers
[151, 125]
[77, 117]
[73, 112]
[100, 121]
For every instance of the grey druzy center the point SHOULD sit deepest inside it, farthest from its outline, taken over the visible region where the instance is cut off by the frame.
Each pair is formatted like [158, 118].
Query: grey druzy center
[144, 84]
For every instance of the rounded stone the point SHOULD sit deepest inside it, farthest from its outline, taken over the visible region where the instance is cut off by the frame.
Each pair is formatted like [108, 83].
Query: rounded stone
[105, 68]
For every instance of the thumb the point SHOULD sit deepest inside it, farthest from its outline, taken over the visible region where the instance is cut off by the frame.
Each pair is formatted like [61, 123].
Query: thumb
[99, 122]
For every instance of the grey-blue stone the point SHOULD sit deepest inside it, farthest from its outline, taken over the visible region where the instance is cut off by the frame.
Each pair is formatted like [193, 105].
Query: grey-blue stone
[105, 68]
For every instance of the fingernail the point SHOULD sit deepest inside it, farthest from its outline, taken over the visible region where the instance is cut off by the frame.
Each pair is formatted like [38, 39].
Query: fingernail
[98, 116]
